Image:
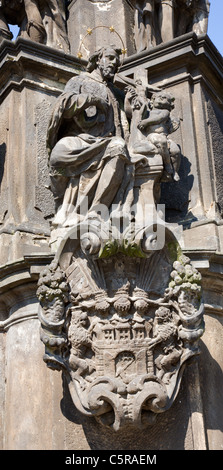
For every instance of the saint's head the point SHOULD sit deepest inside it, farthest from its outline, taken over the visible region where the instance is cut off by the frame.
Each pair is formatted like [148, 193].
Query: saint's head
[106, 61]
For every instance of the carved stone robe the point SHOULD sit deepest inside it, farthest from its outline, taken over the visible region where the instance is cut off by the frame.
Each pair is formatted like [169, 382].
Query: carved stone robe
[87, 148]
[42, 21]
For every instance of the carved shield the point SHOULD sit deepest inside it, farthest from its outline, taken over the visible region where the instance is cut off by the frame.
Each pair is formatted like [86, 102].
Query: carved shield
[121, 322]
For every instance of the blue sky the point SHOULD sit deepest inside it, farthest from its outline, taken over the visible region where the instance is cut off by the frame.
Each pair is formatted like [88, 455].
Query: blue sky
[215, 27]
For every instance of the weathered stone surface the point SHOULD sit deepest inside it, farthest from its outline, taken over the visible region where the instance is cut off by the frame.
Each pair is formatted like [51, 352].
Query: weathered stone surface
[215, 123]
[187, 202]
[141, 24]
[121, 330]
[41, 22]
[91, 435]
[26, 202]
[100, 16]
[211, 367]
[193, 422]
[122, 337]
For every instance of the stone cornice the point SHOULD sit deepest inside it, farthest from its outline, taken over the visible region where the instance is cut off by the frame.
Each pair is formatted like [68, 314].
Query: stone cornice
[18, 288]
[195, 55]
[31, 265]
[20, 58]
[25, 63]
[178, 48]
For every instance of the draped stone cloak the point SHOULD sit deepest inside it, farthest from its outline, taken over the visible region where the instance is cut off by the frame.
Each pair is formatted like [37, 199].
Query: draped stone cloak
[82, 138]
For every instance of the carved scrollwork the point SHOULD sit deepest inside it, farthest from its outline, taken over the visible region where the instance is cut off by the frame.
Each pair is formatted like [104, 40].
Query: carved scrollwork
[90, 243]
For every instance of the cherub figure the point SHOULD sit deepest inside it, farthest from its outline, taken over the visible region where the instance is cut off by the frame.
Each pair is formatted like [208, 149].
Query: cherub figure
[137, 106]
[157, 126]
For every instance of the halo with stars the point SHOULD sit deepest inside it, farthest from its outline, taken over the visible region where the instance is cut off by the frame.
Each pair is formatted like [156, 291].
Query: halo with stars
[89, 33]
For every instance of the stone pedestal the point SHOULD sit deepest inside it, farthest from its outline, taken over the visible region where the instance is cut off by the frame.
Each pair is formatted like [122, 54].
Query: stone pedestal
[36, 408]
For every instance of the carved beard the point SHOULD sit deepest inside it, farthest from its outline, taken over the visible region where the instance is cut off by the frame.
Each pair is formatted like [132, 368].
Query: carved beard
[107, 72]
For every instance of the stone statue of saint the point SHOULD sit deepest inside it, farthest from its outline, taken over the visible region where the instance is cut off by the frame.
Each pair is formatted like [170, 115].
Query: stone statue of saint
[146, 24]
[159, 21]
[86, 140]
[191, 15]
[11, 12]
[42, 21]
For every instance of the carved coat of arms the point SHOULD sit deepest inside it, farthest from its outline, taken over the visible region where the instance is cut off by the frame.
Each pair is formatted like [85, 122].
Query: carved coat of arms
[121, 328]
